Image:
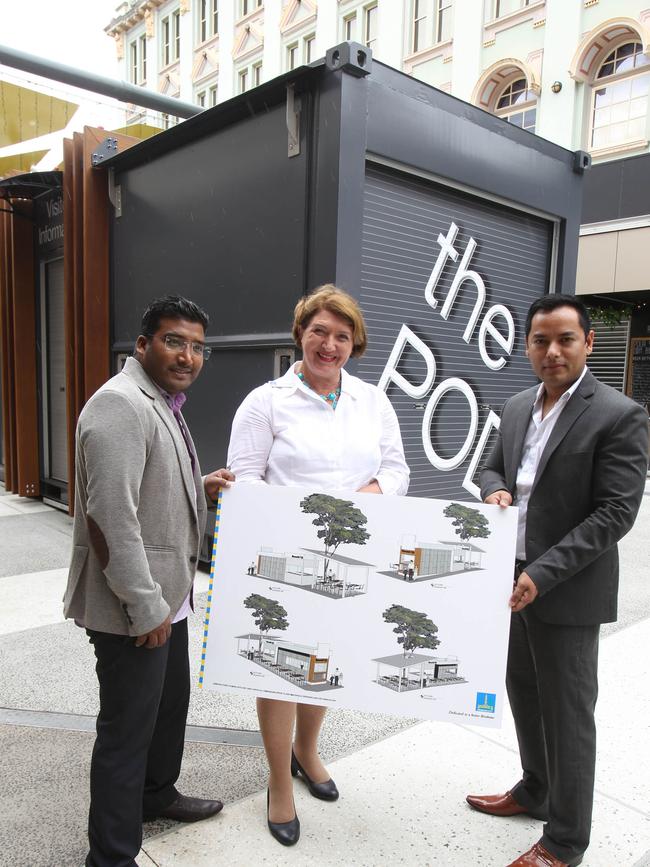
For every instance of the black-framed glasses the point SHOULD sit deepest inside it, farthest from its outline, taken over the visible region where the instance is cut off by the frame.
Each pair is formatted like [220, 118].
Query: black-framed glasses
[174, 343]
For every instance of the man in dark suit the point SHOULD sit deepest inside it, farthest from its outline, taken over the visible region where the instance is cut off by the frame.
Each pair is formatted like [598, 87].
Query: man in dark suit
[572, 455]
[140, 512]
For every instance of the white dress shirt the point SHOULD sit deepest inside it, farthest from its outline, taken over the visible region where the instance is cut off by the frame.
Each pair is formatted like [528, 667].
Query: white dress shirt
[285, 434]
[537, 435]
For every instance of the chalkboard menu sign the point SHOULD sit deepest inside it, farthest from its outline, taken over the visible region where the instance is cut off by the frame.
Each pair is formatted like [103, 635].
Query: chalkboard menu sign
[638, 376]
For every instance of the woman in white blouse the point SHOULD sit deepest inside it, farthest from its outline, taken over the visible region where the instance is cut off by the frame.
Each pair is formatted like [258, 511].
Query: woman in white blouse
[316, 425]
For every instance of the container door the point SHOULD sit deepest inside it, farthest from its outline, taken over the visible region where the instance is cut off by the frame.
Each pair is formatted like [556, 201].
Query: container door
[446, 279]
[55, 464]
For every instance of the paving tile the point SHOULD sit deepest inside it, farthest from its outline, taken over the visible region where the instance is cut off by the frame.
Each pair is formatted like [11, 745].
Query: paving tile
[33, 543]
[32, 600]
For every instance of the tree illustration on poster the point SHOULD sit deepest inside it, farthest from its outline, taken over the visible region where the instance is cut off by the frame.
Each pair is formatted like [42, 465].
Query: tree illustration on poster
[267, 614]
[340, 523]
[469, 523]
[413, 628]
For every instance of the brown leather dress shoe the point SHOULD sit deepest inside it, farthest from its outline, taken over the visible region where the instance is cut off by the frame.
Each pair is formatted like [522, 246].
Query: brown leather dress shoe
[538, 856]
[496, 805]
[185, 809]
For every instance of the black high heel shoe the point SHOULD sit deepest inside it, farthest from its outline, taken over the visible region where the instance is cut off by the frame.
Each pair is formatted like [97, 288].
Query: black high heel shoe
[287, 833]
[326, 791]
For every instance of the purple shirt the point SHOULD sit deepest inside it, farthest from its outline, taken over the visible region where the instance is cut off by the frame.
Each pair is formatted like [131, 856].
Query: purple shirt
[175, 403]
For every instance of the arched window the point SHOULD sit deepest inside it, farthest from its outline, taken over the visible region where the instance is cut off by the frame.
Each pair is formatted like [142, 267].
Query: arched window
[620, 97]
[517, 104]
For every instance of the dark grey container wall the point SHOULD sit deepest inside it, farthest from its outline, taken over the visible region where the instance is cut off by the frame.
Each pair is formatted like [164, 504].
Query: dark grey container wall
[617, 189]
[216, 209]
[222, 222]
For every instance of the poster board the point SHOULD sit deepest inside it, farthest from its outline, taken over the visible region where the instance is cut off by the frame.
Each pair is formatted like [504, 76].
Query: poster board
[360, 601]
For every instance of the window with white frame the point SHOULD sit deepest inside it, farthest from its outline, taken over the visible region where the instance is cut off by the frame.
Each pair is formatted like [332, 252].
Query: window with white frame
[517, 104]
[370, 14]
[138, 60]
[292, 56]
[620, 97]
[308, 45]
[170, 31]
[444, 20]
[250, 76]
[169, 120]
[208, 19]
[499, 8]
[301, 52]
[350, 27]
[432, 22]
[207, 96]
[248, 6]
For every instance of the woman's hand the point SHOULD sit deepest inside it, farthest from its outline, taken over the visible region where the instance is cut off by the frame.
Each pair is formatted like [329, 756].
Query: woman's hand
[217, 480]
[371, 488]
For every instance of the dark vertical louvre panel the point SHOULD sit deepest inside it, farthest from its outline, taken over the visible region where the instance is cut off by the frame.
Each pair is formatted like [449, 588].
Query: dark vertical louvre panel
[403, 216]
[607, 361]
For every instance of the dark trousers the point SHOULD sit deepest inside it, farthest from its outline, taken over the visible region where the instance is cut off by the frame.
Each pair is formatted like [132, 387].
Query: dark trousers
[143, 698]
[552, 681]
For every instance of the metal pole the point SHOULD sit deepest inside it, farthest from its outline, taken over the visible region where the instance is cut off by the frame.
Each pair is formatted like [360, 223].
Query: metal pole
[97, 83]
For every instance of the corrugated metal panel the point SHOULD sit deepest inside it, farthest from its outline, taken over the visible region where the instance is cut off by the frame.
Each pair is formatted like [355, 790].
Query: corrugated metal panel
[608, 361]
[403, 217]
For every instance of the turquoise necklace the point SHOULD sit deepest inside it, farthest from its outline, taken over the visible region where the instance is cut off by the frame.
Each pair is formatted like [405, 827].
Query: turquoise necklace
[331, 397]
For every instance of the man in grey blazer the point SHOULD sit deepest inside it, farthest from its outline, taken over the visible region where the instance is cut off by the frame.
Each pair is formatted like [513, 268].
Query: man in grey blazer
[572, 454]
[140, 513]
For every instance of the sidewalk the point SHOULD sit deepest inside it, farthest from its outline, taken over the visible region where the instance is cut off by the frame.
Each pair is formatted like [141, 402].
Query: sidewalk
[403, 798]
[403, 785]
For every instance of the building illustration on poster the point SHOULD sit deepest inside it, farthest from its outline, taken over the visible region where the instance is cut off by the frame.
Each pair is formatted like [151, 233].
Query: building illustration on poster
[341, 578]
[409, 670]
[395, 640]
[416, 671]
[299, 664]
[422, 561]
[322, 571]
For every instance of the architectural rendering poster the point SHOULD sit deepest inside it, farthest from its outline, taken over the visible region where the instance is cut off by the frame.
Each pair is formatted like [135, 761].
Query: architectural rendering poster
[390, 604]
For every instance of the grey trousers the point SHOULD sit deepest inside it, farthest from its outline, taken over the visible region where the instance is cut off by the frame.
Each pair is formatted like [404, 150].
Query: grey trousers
[552, 682]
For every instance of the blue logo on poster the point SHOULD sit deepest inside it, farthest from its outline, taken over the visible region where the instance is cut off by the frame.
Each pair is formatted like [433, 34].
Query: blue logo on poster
[486, 701]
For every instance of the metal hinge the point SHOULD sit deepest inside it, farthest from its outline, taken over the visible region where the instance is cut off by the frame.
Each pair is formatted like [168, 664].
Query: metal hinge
[115, 193]
[294, 105]
[108, 148]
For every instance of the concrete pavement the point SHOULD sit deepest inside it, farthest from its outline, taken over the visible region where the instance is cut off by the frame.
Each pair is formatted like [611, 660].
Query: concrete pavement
[403, 785]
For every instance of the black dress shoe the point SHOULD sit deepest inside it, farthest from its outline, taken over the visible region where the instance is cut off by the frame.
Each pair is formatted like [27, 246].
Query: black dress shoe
[326, 791]
[287, 833]
[185, 809]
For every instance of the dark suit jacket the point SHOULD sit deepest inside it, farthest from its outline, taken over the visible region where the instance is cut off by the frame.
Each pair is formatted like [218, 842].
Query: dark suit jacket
[585, 497]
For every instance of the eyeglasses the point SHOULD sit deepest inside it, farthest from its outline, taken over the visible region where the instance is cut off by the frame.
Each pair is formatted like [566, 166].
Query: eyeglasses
[173, 343]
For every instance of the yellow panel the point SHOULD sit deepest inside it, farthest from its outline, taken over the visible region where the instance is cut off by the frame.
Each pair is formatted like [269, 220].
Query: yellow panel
[596, 263]
[21, 162]
[25, 114]
[139, 130]
[632, 261]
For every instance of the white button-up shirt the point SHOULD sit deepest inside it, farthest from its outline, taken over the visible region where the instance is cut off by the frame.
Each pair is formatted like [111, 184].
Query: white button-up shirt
[285, 434]
[537, 435]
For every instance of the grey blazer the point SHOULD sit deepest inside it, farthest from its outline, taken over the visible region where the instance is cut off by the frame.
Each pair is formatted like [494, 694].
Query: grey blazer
[585, 497]
[140, 511]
